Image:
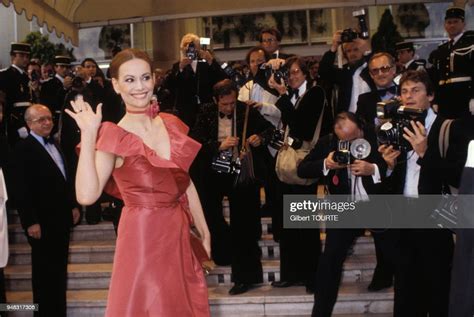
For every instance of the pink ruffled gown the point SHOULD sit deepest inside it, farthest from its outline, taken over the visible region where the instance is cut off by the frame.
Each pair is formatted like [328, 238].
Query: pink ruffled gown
[155, 272]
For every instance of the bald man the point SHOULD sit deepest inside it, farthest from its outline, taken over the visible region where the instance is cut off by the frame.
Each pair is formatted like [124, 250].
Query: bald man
[47, 210]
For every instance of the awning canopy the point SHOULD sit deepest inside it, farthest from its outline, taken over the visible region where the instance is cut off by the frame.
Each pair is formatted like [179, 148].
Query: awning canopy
[67, 16]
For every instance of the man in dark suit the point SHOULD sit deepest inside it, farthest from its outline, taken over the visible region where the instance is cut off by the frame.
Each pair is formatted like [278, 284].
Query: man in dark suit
[14, 83]
[406, 57]
[453, 68]
[382, 70]
[353, 78]
[54, 90]
[47, 210]
[219, 127]
[422, 287]
[462, 282]
[361, 178]
[192, 78]
[270, 39]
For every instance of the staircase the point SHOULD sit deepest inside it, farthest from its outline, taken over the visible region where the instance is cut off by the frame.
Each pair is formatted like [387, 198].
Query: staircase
[90, 265]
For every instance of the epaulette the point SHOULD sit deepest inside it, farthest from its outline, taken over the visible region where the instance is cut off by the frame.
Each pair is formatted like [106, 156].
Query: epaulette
[420, 62]
[3, 69]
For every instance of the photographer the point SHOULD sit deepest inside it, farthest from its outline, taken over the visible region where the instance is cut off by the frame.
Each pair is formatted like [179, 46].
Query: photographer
[353, 78]
[256, 96]
[219, 127]
[301, 107]
[425, 254]
[360, 178]
[382, 70]
[34, 74]
[192, 78]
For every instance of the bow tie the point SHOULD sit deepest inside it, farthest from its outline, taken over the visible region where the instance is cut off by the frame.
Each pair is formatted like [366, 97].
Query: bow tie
[382, 92]
[294, 92]
[223, 115]
[48, 139]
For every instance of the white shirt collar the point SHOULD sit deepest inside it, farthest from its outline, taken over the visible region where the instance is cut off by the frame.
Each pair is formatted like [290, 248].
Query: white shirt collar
[409, 62]
[457, 37]
[19, 69]
[37, 137]
[61, 79]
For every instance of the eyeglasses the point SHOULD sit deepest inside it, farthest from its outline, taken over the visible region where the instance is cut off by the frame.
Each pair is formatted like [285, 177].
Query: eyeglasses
[383, 69]
[42, 120]
[268, 40]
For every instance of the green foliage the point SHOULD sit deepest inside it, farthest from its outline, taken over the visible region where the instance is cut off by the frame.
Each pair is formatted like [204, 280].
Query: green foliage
[387, 35]
[44, 50]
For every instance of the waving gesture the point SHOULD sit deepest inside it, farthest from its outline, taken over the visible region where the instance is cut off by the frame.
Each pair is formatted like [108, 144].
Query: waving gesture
[83, 114]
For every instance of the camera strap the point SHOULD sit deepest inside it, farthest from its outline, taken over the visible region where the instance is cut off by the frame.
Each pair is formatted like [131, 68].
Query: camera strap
[443, 144]
[244, 132]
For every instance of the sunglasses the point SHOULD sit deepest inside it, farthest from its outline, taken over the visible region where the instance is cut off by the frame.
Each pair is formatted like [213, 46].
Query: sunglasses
[383, 69]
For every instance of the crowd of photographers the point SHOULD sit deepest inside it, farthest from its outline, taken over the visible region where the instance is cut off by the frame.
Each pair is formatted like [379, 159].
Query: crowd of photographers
[288, 125]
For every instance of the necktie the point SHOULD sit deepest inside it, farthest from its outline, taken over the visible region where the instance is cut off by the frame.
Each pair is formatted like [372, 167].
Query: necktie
[384, 91]
[294, 92]
[223, 115]
[48, 139]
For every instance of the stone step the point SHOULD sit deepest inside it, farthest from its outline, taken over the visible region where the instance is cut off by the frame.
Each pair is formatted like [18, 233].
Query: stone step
[102, 251]
[357, 269]
[101, 231]
[353, 301]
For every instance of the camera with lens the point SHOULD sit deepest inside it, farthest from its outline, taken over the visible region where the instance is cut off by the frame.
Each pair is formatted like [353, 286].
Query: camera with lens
[225, 163]
[233, 74]
[349, 35]
[395, 118]
[192, 52]
[349, 151]
[34, 76]
[277, 139]
[280, 75]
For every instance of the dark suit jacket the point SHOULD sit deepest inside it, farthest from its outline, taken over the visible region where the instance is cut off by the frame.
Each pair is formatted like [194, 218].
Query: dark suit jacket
[435, 172]
[186, 85]
[367, 106]
[313, 163]
[342, 78]
[43, 195]
[206, 128]
[303, 119]
[52, 94]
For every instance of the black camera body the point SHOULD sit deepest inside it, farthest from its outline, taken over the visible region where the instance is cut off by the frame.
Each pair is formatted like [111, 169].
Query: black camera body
[277, 139]
[343, 154]
[280, 75]
[233, 74]
[224, 163]
[191, 52]
[391, 132]
[349, 35]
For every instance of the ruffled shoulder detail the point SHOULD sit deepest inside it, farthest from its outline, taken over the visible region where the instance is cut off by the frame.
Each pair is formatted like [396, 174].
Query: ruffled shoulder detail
[183, 148]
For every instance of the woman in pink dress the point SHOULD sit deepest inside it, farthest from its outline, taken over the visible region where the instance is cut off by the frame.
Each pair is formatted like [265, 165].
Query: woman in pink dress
[155, 272]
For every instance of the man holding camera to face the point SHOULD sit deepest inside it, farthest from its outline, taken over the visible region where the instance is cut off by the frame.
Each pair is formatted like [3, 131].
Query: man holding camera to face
[219, 128]
[331, 160]
[422, 288]
[192, 78]
[352, 78]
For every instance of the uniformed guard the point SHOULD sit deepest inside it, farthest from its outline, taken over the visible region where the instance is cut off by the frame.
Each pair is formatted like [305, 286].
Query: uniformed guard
[453, 68]
[406, 57]
[14, 83]
[54, 90]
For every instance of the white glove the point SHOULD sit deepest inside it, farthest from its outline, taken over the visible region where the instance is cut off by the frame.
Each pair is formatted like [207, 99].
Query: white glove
[471, 106]
[470, 154]
[23, 132]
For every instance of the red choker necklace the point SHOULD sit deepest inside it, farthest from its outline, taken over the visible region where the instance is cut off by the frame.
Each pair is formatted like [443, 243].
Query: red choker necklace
[151, 111]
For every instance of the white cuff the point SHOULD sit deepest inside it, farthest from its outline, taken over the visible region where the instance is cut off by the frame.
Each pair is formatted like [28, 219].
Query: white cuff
[470, 154]
[325, 170]
[376, 175]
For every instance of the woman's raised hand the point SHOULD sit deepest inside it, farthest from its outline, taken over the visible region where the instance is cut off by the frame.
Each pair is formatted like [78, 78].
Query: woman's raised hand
[83, 114]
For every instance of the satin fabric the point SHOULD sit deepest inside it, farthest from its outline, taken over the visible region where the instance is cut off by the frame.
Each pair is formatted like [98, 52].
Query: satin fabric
[155, 272]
